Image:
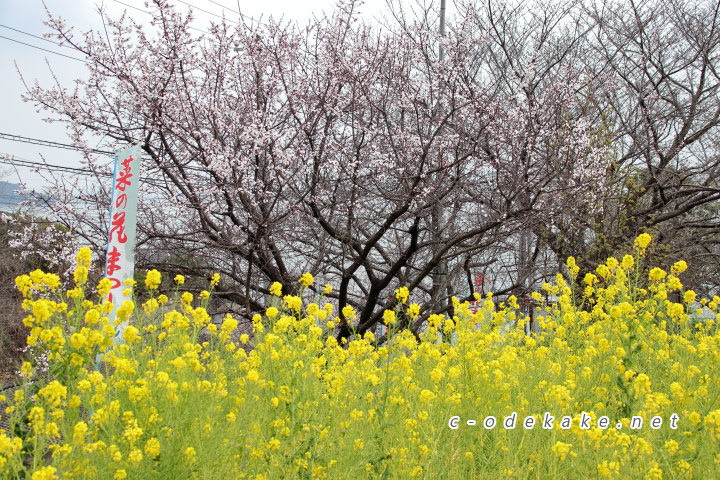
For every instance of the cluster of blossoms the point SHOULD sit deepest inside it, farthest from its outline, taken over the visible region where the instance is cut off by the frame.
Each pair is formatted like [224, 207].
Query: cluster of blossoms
[288, 400]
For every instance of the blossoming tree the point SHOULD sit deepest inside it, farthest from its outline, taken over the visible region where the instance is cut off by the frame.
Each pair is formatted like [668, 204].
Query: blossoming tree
[342, 149]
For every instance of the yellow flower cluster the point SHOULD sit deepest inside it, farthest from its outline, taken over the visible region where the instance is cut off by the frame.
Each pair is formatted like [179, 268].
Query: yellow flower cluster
[306, 279]
[276, 289]
[82, 266]
[402, 294]
[37, 281]
[152, 280]
[181, 395]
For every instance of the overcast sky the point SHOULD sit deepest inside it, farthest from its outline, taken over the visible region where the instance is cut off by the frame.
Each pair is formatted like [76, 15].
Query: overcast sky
[17, 16]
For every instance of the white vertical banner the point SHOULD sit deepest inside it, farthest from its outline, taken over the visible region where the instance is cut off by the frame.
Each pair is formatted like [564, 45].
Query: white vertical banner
[122, 226]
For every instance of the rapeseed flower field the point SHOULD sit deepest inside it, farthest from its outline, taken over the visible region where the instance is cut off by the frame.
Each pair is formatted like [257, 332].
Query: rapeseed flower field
[620, 382]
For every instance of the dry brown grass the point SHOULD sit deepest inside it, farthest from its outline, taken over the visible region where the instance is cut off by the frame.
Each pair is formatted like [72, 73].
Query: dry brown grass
[12, 331]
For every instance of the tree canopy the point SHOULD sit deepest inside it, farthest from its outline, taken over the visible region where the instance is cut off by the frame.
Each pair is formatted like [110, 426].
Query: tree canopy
[351, 151]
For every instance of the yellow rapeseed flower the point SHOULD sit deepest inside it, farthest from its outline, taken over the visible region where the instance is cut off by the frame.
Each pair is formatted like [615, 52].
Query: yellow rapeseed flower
[312, 309]
[151, 305]
[674, 283]
[186, 298]
[276, 289]
[426, 396]
[80, 432]
[642, 241]
[104, 286]
[641, 385]
[306, 279]
[402, 294]
[657, 274]
[26, 370]
[54, 392]
[603, 271]
[190, 454]
[81, 274]
[131, 334]
[608, 469]
[153, 279]
[348, 312]
[419, 375]
[572, 267]
[124, 311]
[135, 455]
[293, 303]
[655, 472]
[24, 284]
[671, 446]
[712, 421]
[561, 449]
[84, 257]
[628, 262]
[45, 473]
[152, 447]
[679, 267]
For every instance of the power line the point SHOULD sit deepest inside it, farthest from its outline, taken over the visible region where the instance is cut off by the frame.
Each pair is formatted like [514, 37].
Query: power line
[30, 34]
[226, 8]
[131, 6]
[48, 143]
[202, 10]
[237, 11]
[44, 49]
[196, 8]
[55, 43]
[21, 162]
[127, 5]
[150, 13]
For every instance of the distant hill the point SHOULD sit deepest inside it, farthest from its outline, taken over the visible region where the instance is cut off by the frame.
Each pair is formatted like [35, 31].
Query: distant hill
[8, 195]
[9, 200]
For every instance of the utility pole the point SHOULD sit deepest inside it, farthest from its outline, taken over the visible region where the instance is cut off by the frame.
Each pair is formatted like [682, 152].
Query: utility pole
[437, 213]
[442, 28]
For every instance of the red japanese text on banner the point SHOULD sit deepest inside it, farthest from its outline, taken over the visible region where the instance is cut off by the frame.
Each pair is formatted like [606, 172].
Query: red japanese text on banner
[120, 257]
